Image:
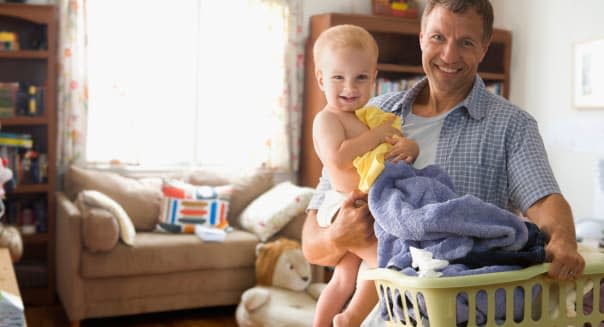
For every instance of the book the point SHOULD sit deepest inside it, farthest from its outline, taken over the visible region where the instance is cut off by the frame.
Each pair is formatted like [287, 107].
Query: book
[8, 99]
[11, 310]
[210, 234]
[16, 140]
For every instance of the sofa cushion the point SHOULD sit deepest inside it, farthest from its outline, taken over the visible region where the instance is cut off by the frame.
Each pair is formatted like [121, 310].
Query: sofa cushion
[246, 186]
[140, 198]
[270, 212]
[96, 199]
[159, 253]
[100, 231]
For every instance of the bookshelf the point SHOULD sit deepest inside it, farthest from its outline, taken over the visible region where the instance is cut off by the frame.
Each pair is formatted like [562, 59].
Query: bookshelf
[32, 65]
[399, 59]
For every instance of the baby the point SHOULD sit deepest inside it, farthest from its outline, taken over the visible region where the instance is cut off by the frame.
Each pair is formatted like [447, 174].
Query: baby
[349, 140]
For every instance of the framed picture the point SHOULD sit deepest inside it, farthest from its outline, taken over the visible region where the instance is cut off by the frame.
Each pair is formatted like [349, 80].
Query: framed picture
[589, 74]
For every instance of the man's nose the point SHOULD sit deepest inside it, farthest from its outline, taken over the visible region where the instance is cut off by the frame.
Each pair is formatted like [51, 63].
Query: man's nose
[450, 52]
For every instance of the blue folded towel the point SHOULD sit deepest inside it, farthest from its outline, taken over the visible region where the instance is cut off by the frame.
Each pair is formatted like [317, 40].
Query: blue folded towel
[419, 208]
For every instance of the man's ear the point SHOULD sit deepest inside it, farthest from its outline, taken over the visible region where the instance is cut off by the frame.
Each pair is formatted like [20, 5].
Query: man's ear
[319, 76]
[421, 45]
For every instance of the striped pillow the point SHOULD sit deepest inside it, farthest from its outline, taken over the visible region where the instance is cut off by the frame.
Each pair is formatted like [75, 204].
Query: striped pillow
[184, 206]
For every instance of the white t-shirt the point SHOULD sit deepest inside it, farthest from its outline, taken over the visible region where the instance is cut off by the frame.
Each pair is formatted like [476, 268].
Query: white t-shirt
[425, 131]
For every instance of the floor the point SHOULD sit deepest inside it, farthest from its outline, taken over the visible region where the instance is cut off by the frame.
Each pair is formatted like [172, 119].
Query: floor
[54, 316]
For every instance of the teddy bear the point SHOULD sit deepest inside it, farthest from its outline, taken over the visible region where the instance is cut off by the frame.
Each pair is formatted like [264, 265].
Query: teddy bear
[284, 294]
[9, 235]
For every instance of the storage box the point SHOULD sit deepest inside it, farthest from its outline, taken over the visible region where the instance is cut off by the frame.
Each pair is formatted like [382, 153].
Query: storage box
[401, 8]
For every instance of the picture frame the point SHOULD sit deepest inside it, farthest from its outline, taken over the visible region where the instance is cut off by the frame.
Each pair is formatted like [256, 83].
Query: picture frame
[589, 74]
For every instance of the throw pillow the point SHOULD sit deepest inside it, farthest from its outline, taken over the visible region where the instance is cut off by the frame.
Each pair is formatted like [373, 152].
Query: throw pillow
[140, 197]
[99, 200]
[247, 185]
[271, 211]
[100, 230]
[185, 205]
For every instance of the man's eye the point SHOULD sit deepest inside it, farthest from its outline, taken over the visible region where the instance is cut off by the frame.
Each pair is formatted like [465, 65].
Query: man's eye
[437, 37]
[468, 43]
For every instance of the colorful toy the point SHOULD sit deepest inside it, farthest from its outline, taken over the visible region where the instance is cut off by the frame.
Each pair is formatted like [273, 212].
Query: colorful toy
[9, 41]
[399, 8]
[284, 295]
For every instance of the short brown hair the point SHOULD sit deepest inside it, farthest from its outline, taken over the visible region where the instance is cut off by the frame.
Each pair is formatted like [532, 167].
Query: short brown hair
[483, 9]
[344, 36]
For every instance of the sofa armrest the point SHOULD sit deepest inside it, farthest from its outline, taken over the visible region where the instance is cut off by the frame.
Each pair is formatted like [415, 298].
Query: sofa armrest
[68, 254]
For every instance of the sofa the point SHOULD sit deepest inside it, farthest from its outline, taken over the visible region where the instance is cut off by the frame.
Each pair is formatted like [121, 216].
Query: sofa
[98, 275]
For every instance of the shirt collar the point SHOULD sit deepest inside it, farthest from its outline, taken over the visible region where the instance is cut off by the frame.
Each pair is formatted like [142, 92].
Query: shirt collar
[471, 103]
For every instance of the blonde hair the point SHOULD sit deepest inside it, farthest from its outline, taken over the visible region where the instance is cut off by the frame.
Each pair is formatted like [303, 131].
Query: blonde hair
[268, 256]
[344, 36]
[11, 238]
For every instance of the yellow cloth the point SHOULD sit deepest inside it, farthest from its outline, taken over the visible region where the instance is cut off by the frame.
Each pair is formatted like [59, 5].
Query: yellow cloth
[371, 164]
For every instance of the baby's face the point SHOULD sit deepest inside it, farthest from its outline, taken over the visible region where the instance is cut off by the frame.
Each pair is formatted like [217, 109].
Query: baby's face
[347, 77]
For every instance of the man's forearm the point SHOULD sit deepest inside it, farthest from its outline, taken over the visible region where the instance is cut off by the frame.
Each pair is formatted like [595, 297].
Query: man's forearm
[316, 243]
[554, 217]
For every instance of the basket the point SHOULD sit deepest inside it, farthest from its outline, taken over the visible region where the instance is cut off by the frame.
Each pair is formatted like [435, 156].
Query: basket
[516, 298]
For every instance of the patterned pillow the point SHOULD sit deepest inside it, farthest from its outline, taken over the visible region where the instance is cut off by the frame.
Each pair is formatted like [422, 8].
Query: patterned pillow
[184, 206]
[271, 211]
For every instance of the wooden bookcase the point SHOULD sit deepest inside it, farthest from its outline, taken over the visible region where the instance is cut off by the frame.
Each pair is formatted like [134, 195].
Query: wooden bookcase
[400, 57]
[35, 63]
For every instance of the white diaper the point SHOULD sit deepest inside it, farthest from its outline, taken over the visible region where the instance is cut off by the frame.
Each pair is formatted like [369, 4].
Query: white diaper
[329, 208]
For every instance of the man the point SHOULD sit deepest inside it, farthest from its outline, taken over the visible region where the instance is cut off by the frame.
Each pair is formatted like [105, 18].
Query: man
[491, 148]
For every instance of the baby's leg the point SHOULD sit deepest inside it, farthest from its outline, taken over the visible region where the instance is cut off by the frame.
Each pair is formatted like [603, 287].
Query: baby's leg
[365, 297]
[338, 290]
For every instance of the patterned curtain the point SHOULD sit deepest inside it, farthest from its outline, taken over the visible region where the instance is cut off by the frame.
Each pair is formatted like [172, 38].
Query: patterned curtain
[283, 148]
[72, 87]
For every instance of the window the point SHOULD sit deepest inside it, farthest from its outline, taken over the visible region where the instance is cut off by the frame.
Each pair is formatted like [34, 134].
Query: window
[184, 82]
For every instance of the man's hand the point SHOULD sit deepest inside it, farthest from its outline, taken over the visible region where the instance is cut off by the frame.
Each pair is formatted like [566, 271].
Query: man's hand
[353, 227]
[554, 217]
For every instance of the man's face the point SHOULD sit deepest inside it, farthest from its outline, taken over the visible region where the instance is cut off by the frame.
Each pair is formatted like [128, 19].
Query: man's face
[452, 48]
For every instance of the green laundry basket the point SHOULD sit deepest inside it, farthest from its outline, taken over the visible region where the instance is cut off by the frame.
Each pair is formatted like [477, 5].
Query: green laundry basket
[543, 301]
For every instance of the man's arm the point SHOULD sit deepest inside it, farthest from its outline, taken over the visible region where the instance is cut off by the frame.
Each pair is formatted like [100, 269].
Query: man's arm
[352, 228]
[553, 215]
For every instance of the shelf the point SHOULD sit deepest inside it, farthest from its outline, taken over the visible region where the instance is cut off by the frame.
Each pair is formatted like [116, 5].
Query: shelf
[492, 76]
[24, 54]
[23, 121]
[30, 188]
[390, 68]
[35, 238]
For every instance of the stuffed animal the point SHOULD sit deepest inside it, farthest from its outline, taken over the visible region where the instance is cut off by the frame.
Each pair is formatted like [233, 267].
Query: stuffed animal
[284, 295]
[9, 235]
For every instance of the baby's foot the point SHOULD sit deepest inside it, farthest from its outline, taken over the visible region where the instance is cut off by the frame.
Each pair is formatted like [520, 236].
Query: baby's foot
[345, 319]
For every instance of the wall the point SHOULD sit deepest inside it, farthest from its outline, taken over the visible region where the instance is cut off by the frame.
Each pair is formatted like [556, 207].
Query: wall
[544, 33]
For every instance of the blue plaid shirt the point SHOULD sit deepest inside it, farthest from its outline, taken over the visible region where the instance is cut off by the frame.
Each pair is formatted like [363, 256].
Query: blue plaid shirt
[491, 148]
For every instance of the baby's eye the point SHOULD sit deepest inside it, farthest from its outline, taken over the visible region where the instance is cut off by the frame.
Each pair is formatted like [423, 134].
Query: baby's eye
[363, 77]
[338, 77]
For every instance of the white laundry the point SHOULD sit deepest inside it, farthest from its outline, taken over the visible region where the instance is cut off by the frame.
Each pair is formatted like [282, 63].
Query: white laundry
[425, 264]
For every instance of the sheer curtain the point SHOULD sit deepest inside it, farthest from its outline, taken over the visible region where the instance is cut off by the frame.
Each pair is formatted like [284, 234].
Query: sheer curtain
[194, 82]
[72, 87]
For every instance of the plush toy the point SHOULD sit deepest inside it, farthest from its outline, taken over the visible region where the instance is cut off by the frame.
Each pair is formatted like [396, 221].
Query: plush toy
[9, 235]
[284, 295]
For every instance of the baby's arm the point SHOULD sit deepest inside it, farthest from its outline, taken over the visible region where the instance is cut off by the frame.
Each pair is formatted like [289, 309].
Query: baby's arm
[337, 151]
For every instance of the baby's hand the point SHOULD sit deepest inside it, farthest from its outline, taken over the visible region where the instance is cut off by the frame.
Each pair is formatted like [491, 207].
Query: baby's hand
[386, 130]
[402, 149]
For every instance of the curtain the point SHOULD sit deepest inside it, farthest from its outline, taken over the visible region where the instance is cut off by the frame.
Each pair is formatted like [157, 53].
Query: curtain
[72, 86]
[283, 148]
[238, 104]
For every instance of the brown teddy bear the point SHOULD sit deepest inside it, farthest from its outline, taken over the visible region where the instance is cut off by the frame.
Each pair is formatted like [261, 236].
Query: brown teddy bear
[284, 295]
